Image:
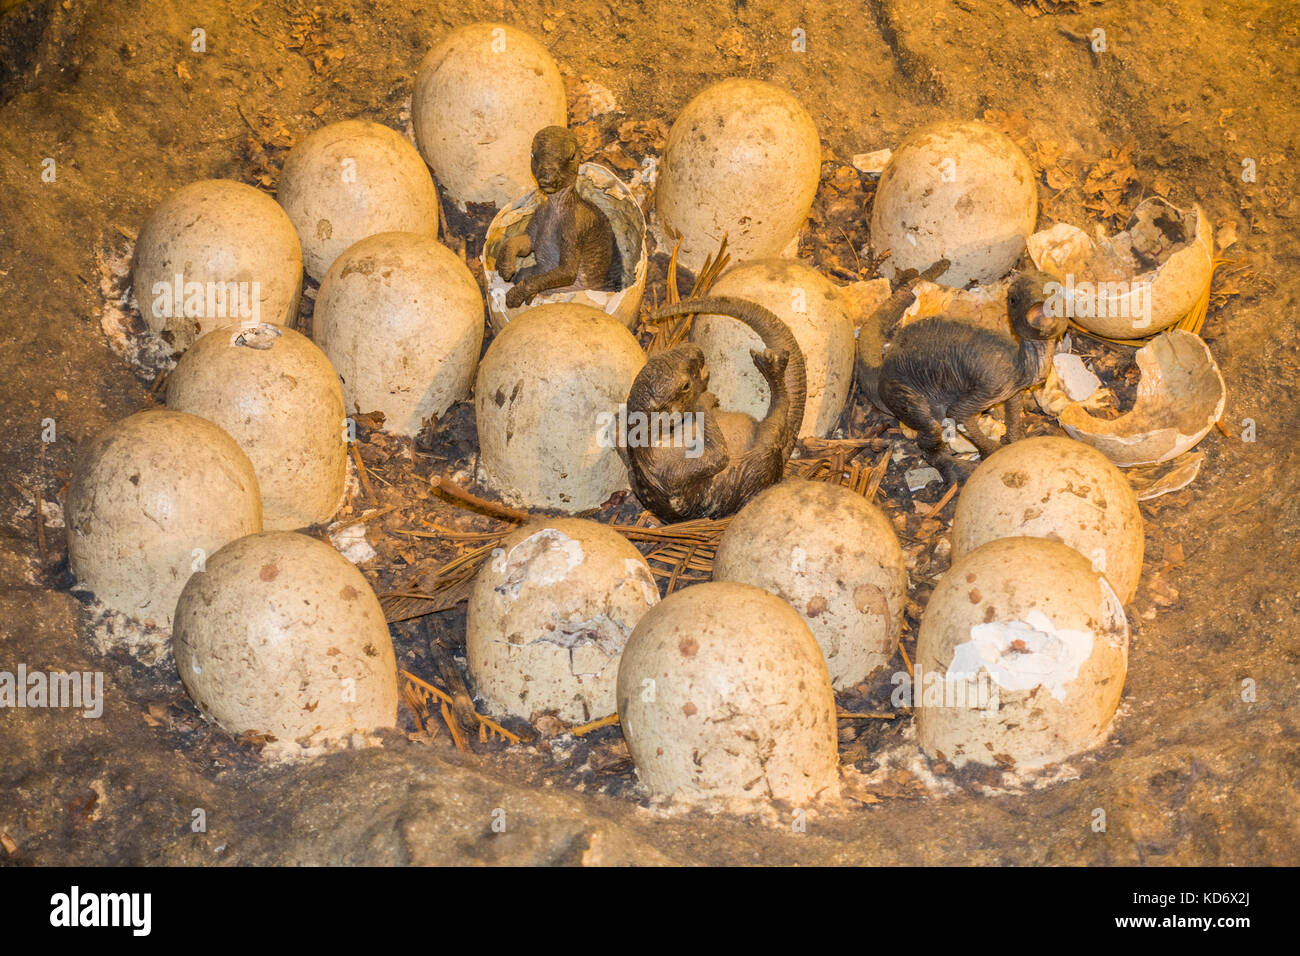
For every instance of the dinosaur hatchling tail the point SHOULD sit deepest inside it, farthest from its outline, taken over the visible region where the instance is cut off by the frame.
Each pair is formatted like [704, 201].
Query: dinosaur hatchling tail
[775, 335]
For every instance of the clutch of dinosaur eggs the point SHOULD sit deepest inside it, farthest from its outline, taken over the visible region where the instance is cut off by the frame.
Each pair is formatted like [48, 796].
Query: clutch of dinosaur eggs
[959, 191]
[401, 318]
[194, 268]
[835, 558]
[546, 404]
[480, 96]
[354, 179]
[1021, 657]
[277, 395]
[1056, 488]
[282, 635]
[549, 616]
[1137, 282]
[610, 195]
[743, 159]
[151, 498]
[815, 311]
[723, 696]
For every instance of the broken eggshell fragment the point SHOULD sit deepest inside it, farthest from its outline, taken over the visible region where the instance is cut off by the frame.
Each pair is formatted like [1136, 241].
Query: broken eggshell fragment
[610, 195]
[1137, 282]
[1179, 398]
[1021, 657]
[549, 615]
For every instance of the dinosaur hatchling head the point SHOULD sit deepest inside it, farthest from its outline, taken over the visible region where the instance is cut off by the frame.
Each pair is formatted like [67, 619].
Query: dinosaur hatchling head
[555, 158]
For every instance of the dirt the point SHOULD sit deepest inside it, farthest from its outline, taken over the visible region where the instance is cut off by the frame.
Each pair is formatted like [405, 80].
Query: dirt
[1202, 765]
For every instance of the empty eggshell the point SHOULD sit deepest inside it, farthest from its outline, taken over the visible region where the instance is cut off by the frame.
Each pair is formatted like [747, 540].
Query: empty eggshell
[480, 96]
[151, 498]
[835, 558]
[723, 694]
[195, 268]
[611, 195]
[277, 395]
[354, 179]
[743, 159]
[813, 308]
[1109, 286]
[1021, 657]
[281, 635]
[955, 190]
[401, 318]
[1056, 488]
[1179, 398]
[547, 393]
[549, 616]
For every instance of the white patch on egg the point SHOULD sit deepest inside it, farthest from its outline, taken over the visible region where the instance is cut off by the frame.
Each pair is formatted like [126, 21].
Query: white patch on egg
[1022, 655]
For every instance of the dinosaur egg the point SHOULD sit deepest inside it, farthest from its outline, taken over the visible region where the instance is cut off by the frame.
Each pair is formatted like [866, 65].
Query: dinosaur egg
[401, 318]
[277, 395]
[611, 196]
[835, 558]
[1057, 488]
[1021, 657]
[743, 160]
[151, 498]
[813, 308]
[547, 396]
[549, 616]
[723, 695]
[959, 191]
[480, 96]
[354, 179]
[282, 635]
[195, 269]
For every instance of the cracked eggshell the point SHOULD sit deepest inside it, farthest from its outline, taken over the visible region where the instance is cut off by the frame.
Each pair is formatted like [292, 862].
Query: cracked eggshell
[723, 694]
[849, 585]
[480, 97]
[1056, 488]
[400, 317]
[743, 159]
[1021, 657]
[282, 635]
[955, 190]
[201, 234]
[277, 395]
[814, 309]
[612, 196]
[151, 497]
[1180, 396]
[1128, 304]
[548, 389]
[549, 616]
[350, 180]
